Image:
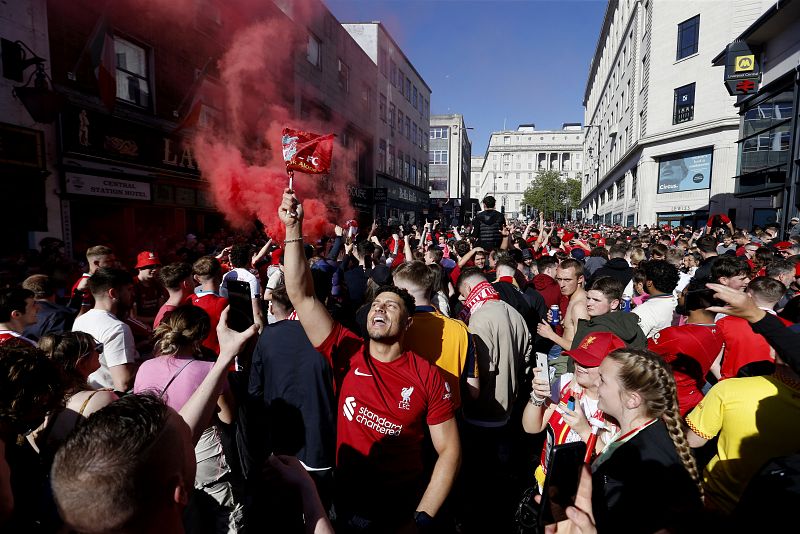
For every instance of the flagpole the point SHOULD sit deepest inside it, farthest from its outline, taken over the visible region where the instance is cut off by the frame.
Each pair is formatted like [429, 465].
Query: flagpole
[89, 41]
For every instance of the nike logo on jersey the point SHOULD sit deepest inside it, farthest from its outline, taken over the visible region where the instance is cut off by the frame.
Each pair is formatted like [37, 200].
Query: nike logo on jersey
[359, 373]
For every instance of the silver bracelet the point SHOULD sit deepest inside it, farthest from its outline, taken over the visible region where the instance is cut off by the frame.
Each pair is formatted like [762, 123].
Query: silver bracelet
[536, 401]
[295, 240]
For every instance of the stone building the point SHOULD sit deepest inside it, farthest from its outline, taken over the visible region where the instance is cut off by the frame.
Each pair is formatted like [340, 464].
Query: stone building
[514, 157]
[449, 156]
[661, 129]
[401, 133]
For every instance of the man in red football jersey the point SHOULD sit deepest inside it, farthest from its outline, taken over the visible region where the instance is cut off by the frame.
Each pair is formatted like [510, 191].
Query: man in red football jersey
[97, 257]
[207, 272]
[387, 396]
[149, 293]
[691, 349]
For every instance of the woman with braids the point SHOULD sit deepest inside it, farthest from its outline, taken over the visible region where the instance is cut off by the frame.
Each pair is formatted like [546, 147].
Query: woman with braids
[77, 355]
[645, 480]
[174, 375]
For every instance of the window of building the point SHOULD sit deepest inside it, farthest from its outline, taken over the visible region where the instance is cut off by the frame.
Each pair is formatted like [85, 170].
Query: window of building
[414, 133]
[620, 188]
[344, 76]
[437, 157]
[392, 110]
[313, 50]
[393, 72]
[400, 122]
[506, 139]
[408, 127]
[627, 96]
[440, 132]
[366, 97]
[424, 183]
[400, 169]
[634, 184]
[381, 155]
[414, 96]
[400, 80]
[408, 89]
[383, 62]
[688, 37]
[382, 107]
[407, 168]
[683, 110]
[133, 84]
[390, 161]
[414, 172]
[427, 108]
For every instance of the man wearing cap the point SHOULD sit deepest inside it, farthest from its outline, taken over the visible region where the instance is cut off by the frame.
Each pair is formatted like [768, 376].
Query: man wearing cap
[563, 423]
[148, 292]
[690, 349]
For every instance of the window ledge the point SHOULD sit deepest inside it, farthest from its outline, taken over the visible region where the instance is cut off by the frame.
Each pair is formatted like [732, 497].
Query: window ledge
[681, 60]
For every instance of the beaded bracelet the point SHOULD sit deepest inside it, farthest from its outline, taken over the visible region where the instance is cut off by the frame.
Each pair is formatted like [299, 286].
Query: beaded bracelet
[295, 240]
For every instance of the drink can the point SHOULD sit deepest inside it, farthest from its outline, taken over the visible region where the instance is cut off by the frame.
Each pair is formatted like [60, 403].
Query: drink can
[555, 312]
[626, 303]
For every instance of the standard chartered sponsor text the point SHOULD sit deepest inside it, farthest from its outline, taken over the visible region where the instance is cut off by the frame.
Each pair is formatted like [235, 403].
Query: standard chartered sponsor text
[380, 424]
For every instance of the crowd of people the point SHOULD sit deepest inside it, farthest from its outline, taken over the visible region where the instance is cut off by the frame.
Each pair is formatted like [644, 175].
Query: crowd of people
[405, 378]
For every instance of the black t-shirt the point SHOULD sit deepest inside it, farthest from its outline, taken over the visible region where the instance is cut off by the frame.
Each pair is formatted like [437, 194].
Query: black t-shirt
[295, 384]
[644, 487]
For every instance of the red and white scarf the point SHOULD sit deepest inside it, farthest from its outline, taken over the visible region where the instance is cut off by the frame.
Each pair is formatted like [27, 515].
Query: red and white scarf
[479, 295]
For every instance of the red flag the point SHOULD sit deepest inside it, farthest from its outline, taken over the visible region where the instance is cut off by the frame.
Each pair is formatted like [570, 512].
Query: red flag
[307, 152]
[104, 62]
[204, 106]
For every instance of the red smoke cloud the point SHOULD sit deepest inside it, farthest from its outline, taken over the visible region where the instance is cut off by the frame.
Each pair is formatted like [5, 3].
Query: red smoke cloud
[242, 159]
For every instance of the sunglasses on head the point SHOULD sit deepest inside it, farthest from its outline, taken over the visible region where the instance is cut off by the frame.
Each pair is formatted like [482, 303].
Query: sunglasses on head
[98, 347]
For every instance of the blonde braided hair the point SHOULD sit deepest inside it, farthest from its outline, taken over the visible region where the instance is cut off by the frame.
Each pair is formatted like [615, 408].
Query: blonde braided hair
[647, 374]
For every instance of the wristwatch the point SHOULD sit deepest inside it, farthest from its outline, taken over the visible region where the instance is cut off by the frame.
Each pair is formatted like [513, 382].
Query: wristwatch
[536, 401]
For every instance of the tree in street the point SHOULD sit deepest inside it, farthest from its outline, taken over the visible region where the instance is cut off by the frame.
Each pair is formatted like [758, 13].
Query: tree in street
[552, 194]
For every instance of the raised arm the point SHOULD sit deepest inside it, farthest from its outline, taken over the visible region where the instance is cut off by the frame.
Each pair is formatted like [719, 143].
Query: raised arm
[316, 320]
[261, 253]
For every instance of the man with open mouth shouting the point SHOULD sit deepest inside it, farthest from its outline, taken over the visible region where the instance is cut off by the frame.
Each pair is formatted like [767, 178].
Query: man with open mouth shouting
[387, 395]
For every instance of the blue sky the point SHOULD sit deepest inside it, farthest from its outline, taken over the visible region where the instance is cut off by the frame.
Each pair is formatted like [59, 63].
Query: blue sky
[521, 61]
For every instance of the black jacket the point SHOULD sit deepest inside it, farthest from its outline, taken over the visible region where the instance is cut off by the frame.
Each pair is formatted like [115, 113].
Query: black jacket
[486, 227]
[615, 268]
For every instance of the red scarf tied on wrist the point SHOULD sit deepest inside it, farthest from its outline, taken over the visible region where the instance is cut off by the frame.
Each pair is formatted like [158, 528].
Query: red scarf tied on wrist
[479, 295]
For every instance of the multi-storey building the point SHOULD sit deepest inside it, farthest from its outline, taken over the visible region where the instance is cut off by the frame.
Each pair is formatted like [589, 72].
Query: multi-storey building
[122, 169]
[401, 136]
[661, 130]
[27, 146]
[769, 135]
[449, 156]
[514, 157]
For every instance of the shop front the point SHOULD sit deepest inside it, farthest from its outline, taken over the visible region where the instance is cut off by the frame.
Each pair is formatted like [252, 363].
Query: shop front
[129, 185]
[404, 204]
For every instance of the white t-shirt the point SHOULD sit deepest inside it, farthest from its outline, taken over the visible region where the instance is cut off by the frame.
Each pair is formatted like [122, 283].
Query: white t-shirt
[242, 275]
[119, 346]
[656, 313]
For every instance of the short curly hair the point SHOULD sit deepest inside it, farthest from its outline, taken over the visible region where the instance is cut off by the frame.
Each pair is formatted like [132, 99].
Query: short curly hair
[408, 301]
[663, 275]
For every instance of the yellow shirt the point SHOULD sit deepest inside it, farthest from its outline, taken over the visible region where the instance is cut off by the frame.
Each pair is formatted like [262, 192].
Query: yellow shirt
[445, 342]
[756, 419]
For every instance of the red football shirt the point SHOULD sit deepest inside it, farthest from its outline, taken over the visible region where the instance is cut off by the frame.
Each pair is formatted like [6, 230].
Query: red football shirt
[742, 345]
[383, 410]
[9, 338]
[690, 350]
[87, 300]
[213, 304]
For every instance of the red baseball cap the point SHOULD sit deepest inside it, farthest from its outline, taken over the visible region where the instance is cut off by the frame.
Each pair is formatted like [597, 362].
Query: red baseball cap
[591, 351]
[783, 245]
[146, 259]
[601, 242]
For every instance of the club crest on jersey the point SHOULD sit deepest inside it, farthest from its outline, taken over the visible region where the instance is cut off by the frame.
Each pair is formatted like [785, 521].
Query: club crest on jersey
[405, 398]
[447, 393]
